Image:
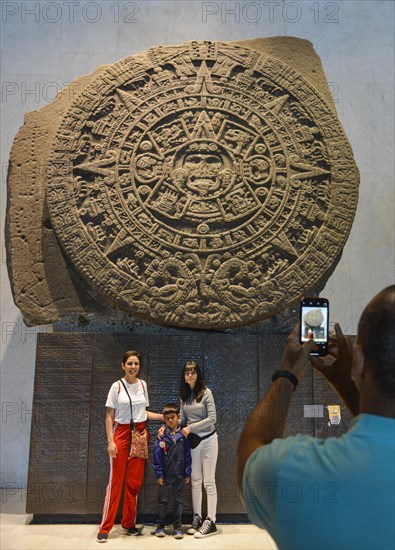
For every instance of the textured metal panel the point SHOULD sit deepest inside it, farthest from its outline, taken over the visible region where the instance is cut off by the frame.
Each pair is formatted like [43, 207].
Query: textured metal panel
[230, 370]
[60, 424]
[296, 422]
[271, 348]
[69, 465]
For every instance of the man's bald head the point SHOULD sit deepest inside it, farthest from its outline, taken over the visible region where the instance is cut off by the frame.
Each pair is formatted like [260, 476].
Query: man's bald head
[376, 336]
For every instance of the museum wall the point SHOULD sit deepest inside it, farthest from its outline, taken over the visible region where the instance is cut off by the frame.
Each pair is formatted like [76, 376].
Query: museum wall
[46, 44]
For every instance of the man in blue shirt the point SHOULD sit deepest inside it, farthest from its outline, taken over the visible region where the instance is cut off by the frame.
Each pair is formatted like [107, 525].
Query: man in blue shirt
[335, 493]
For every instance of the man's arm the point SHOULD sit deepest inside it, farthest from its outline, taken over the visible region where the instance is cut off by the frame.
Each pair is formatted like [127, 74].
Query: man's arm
[336, 367]
[267, 420]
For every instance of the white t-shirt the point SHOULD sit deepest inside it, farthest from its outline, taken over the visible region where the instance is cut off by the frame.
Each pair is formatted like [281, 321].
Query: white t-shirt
[118, 400]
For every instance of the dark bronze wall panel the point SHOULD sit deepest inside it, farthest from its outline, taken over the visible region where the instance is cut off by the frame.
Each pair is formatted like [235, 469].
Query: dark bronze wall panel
[231, 373]
[69, 465]
[296, 421]
[60, 424]
[271, 348]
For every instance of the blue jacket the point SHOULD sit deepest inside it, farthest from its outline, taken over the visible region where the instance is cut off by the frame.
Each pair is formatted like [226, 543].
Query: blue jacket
[172, 461]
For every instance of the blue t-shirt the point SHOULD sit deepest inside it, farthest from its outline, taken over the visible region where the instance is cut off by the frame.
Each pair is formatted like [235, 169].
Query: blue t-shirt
[335, 493]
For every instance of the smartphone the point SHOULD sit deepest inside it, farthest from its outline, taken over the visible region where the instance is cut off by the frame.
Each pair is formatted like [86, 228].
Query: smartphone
[314, 323]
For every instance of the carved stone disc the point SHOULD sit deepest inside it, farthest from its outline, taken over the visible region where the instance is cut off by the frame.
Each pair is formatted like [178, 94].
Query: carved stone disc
[202, 185]
[314, 318]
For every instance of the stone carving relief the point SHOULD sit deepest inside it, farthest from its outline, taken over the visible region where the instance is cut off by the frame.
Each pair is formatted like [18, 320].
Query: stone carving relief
[205, 185]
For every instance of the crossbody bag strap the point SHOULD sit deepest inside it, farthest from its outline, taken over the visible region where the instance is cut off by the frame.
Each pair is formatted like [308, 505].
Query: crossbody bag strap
[131, 406]
[208, 435]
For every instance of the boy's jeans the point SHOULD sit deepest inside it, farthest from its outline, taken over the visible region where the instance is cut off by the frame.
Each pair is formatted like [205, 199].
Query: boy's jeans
[178, 488]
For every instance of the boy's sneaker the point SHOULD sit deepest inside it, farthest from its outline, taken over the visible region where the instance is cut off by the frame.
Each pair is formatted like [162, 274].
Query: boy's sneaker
[160, 532]
[178, 534]
[131, 531]
[208, 528]
[102, 537]
[195, 525]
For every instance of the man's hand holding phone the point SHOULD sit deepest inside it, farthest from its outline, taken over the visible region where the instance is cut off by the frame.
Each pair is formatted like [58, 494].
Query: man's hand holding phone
[297, 355]
[336, 365]
[337, 368]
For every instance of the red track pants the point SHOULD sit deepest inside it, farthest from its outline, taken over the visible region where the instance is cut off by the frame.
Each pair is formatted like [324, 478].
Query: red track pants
[121, 469]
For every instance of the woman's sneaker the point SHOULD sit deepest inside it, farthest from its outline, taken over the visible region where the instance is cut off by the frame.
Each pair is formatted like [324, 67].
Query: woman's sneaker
[102, 537]
[208, 528]
[131, 531]
[196, 524]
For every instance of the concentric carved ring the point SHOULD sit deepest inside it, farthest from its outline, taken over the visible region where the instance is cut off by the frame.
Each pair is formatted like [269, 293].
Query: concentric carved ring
[202, 185]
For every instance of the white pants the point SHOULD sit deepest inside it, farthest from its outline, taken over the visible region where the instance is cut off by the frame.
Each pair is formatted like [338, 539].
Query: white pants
[204, 461]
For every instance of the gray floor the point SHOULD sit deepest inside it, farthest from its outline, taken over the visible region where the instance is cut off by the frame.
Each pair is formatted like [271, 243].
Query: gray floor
[16, 533]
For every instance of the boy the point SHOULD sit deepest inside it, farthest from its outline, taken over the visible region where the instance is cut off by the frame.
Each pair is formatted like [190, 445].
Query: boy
[172, 466]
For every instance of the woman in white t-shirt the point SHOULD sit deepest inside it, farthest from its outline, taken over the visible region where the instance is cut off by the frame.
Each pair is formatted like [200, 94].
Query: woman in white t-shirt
[127, 455]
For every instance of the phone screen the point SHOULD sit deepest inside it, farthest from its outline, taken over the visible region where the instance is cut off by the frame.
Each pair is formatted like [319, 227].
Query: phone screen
[314, 322]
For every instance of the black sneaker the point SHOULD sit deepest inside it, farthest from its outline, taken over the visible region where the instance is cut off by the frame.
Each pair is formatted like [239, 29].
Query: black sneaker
[208, 528]
[102, 537]
[131, 531]
[196, 524]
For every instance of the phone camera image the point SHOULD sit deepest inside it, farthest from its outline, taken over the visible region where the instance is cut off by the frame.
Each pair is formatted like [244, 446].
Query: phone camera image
[314, 321]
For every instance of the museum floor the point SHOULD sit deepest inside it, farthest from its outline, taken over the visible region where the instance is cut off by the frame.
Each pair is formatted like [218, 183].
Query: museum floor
[16, 533]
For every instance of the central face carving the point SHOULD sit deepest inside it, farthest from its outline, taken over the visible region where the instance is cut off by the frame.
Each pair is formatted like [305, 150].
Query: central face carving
[203, 173]
[203, 168]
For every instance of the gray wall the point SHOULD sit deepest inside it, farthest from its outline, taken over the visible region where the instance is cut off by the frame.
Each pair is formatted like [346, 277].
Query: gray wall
[45, 44]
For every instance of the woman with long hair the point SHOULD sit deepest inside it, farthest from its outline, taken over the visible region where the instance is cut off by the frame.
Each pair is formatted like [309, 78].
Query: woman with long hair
[197, 420]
